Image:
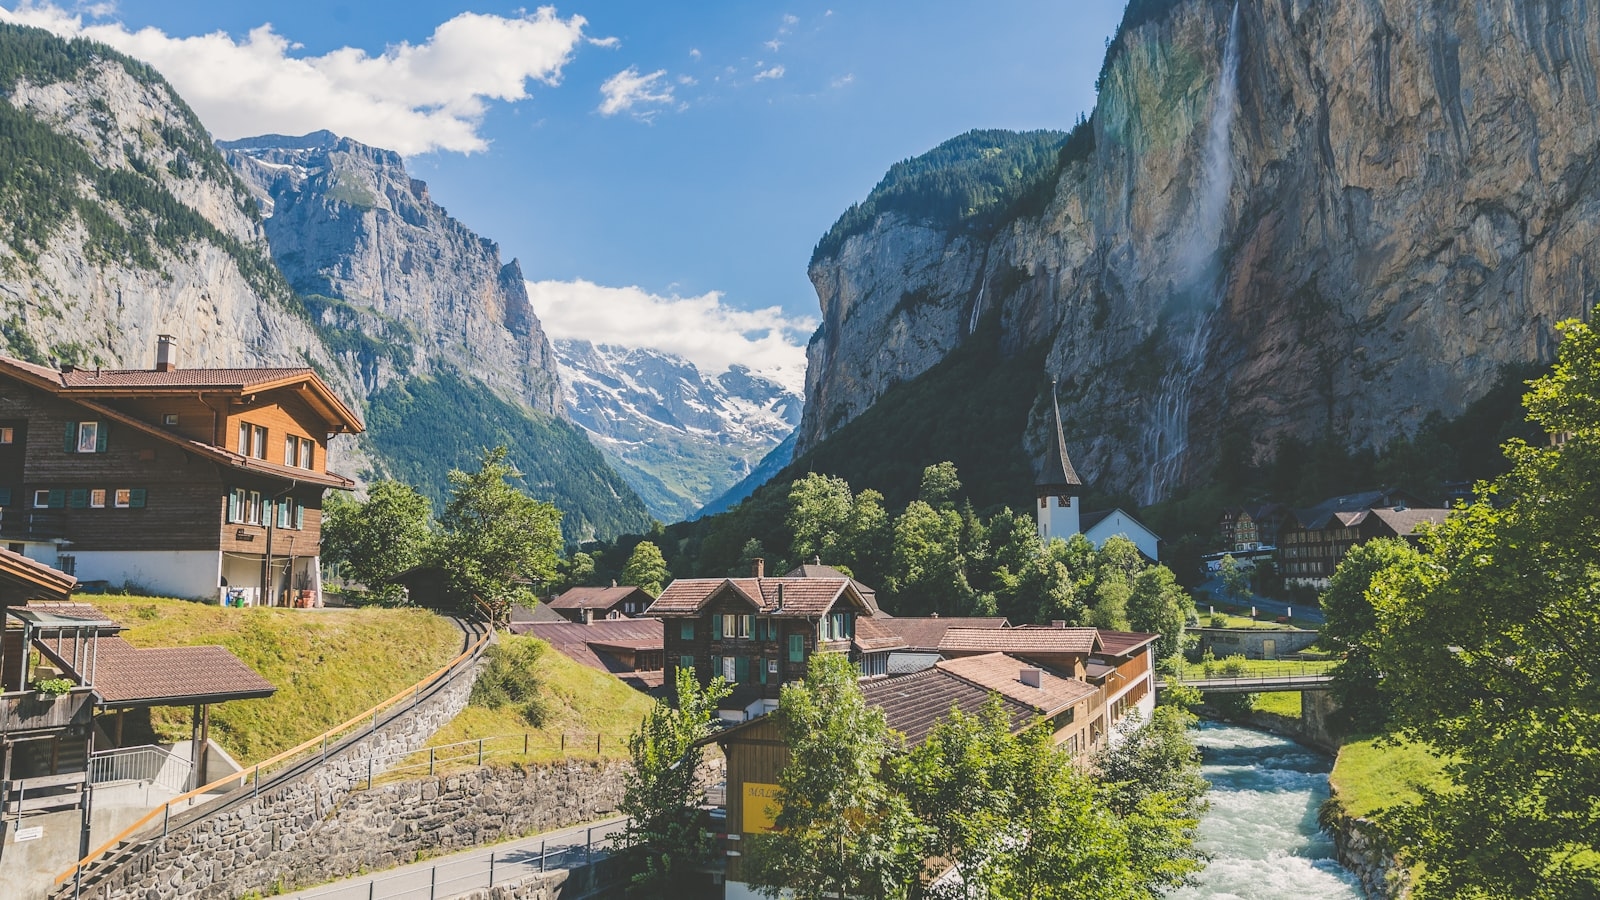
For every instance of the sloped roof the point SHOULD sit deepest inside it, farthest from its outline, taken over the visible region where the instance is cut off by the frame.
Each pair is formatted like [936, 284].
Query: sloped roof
[800, 597]
[873, 635]
[1002, 674]
[1025, 640]
[913, 704]
[125, 675]
[29, 579]
[596, 597]
[1058, 471]
[1404, 522]
[1122, 643]
[818, 570]
[925, 632]
[586, 644]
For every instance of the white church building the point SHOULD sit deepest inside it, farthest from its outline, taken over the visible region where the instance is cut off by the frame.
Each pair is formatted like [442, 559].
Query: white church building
[1059, 491]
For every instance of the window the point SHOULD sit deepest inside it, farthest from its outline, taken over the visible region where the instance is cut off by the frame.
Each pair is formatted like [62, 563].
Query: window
[308, 453]
[797, 648]
[839, 626]
[736, 627]
[252, 440]
[170, 420]
[97, 498]
[236, 500]
[1064, 502]
[1044, 502]
[291, 450]
[686, 631]
[123, 498]
[291, 514]
[730, 668]
[86, 437]
[253, 509]
[686, 662]
[41, 499]
[8, 435]
[67, 564]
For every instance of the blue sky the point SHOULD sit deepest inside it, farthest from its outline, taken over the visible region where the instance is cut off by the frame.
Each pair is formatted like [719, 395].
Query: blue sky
[712, 179]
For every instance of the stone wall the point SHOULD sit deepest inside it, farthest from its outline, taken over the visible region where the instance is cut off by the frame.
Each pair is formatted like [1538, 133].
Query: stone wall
[1251, 642]
[1361, 848]
[253, 841]
[605, 879]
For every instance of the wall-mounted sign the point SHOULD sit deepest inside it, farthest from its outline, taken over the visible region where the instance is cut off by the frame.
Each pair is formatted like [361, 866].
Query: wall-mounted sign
[760, 807]
[28, 834]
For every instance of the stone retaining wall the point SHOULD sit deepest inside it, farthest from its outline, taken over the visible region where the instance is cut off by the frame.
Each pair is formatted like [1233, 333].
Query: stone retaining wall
[1360, 847]
[254, 845]
[605, 879]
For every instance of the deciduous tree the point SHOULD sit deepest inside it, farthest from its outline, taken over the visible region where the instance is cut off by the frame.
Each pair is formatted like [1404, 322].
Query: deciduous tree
[646, 569]
[376, 539]
[497, 540]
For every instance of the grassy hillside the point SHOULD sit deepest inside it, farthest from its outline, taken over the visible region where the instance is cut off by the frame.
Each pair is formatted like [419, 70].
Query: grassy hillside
[428, 426]
[328, 665]
[1373, 774]
[578, 701]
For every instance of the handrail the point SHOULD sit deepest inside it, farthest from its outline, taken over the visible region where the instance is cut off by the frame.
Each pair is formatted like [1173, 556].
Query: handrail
[244, 775]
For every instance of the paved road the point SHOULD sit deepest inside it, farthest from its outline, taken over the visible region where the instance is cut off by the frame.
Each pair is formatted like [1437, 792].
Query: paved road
[1266, 608]
[448, 876]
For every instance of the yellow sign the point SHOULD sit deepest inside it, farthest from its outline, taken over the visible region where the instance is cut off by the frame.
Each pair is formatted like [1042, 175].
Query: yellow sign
[760, 807]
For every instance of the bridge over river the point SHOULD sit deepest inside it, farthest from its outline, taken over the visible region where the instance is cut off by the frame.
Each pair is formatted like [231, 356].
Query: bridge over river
[1254, 684]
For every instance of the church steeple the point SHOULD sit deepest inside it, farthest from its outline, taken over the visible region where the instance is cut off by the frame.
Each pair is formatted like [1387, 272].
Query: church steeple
[1058, 487]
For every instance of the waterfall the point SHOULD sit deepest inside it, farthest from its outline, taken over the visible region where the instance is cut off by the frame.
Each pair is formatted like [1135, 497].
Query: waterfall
[977, 306]
[1166, 436]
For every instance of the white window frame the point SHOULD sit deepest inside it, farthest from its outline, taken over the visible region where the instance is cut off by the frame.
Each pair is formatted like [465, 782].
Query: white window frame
[308, 453]
[97, 498]
[122, 498]
[291, 450]
[729, 669]
[253, 509]
[88, 436]
[41, 499]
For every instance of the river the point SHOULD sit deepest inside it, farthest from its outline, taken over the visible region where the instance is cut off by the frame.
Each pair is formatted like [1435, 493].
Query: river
[1261, 830]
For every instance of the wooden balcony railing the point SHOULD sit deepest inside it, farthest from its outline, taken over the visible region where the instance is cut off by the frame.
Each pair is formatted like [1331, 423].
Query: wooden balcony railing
[30, 711]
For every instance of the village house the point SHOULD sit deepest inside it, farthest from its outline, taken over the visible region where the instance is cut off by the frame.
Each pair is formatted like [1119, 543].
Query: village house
[195, 483]
[586, 604]
[1312, 544]
[628, 648]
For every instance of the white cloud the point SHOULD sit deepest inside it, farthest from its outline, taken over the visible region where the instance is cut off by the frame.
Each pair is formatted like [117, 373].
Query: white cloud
[412, 98]
[844, 80]
[694, 52]
[609, 43]
[773, 45]
[704, 329]
[769, 74]
[789, 21]
[630, 92]
[687, 80]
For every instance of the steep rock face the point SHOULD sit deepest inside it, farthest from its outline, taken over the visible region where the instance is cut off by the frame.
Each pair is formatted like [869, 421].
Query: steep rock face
[1401, 201]
[680, 436]
[346, 223]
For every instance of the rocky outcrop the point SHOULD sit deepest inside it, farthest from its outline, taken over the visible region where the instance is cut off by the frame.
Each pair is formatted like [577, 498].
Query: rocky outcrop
[1386, 202]
[374, 255]
[1361, 848]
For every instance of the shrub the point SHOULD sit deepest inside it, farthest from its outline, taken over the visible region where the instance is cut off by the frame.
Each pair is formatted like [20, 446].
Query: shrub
[510, 678]
[55, 687]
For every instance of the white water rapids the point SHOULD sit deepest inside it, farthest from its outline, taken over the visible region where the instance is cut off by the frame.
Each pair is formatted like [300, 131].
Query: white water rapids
[1261, 830]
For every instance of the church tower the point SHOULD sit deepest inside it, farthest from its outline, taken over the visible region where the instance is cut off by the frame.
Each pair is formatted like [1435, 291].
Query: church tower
[1059, 491]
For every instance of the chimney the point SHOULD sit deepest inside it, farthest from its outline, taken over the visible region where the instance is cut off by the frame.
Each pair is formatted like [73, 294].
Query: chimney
[166, 360]
[1058, 623]
[588, 616]
[1033, 677]
[759, 567]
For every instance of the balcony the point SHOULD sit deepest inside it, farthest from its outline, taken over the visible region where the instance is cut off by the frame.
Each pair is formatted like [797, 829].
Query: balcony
[22, 712]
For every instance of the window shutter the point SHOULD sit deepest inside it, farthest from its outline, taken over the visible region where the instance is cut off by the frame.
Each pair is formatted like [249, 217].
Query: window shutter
[136, 498]
[58, 498]
[100, 432]
[761, 666]
[5, 496]
[797, 648]
[72, 437]
[686, 631]
[299, 516]
[716, 629]
[716, 666]
[79, 498]
[233, 506]
[741, 668]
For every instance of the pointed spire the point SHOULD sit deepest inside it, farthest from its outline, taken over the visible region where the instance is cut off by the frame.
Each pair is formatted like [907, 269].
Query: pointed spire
[1058, 472]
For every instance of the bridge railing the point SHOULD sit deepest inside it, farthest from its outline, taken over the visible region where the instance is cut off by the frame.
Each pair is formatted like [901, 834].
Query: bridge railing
[1254, 669]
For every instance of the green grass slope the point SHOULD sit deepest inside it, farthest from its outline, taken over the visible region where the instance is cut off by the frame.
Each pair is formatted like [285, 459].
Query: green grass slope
[328, 665]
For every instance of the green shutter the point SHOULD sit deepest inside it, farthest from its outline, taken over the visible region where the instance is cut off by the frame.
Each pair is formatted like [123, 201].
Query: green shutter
[741, 669]
[72, 437]
[797, 648]
[299, 516]
[716, 628]
[5, 496]
[716, 666]
[233, 506]
[136, 498]
[761, 664]
[58, 498]
[686, 662]
[79, 498]
[100, 432]
[686, 630]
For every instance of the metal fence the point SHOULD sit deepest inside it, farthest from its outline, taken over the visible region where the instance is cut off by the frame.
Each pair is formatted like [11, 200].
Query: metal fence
[527, 745]
[148, 763]
[453, 877]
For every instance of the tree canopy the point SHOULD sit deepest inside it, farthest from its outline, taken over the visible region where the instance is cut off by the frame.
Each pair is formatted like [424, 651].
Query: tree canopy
[496, 541]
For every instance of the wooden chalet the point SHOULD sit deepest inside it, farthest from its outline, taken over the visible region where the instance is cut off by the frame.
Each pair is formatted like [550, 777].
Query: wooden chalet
[1311, 545]
[585, 604]
[197, 483]
[627, 648]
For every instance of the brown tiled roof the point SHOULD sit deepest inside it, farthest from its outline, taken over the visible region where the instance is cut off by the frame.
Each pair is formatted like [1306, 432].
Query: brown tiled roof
[579, 642]
[874, 635]
[1404, 522]
[69, 609]
[1003, 674]
[913, 704]
[33, 579]
[818, 570]
[802, 597]
[925, 632]
[1024, 639]
[125, 675]
[1121, 643]
[595, 597]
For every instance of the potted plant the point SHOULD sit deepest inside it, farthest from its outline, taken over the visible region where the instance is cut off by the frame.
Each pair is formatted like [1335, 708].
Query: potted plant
[51, 688]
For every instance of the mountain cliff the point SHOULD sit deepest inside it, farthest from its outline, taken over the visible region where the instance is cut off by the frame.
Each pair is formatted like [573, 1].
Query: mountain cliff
[679, 436]
[1294, 219]
[122, 220]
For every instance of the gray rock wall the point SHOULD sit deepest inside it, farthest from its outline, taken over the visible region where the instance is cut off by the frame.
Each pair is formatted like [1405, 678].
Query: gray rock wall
[260, 840]
[1361, 849]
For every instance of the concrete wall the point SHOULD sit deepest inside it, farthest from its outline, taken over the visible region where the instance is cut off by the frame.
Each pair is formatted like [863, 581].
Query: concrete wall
[27, 869]
[1251, 642]
[191, 574]
[255, 842]
[605, 879]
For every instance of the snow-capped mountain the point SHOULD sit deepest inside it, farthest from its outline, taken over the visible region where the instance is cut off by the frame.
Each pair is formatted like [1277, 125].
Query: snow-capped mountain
[679, 436]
